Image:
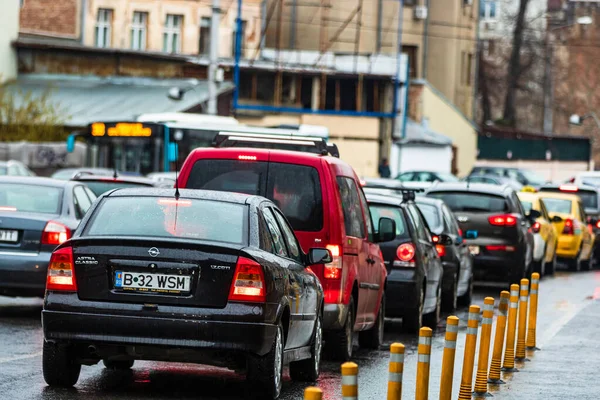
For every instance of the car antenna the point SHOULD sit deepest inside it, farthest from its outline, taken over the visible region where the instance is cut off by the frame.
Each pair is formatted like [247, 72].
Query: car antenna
[468, 182]
[115, 176]
[177, 174]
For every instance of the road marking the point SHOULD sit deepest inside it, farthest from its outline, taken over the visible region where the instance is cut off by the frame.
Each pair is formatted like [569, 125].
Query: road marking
[21, 357]
[560, 323]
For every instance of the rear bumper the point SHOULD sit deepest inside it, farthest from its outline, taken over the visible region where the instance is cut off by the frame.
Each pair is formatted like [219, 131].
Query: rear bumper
[568, 246]
[402, 292]
[23, 273]
[500, 266]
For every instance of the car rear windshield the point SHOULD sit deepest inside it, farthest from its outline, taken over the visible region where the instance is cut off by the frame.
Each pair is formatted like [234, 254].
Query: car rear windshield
[166, 217]
[395, 213]
[30, 198]
[431, 215]
[472, 201]
[99, 187]
[560, 206]
[588, 198]
[296, 189]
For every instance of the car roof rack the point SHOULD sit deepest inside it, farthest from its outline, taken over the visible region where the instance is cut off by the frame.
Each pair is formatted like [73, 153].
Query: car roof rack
[240, 139]
[408, 194]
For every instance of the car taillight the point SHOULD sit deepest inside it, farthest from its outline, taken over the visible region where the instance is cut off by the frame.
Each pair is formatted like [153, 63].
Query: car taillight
[441, 249]
[503, 220]
[568, 227]
[535, 228]
[55, 233]
[248, 282]
[435, 239]
[405, 255]
[333, 270]
[598, 224]
[500, 248]
[61, 272]
[245, 157]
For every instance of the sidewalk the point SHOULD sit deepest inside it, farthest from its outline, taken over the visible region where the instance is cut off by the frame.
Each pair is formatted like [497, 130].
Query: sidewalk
[567, 366]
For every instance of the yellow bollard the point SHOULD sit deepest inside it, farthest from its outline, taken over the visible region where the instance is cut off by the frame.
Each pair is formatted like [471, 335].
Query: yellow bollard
[424, 353]
[349, 381]
[509, 354]
[533, 305]
[313, 393]
[494, 376]
[448, 358]
[520, 352]
[395, 371]
[484, 346]
[466, 384]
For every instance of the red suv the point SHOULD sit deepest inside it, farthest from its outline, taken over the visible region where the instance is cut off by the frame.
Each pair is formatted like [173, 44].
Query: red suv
[324, 202]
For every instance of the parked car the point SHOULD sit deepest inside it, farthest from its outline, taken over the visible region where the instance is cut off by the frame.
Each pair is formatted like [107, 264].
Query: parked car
[414, 283]
[426, 176]
[164, 177]
[495, 226]
[205, 277]
[70, 173]
[100, 184]
[545, 237]
[591, 178]
[393, 186]
[524, 176]
[14, 168]
[575, 239]
[36, 215]
[590, 198]
[494, 180]
[322, 198]
[457, 284]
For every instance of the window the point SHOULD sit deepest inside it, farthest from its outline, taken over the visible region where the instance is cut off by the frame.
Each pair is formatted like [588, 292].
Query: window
[422, 231]
[367, 214]
[103, 27]
[406, 177]
[472, 201]
[172, 33]
[527, 206]
[276, 235]
[353, 216]
[432, 216]
[411, 52]
[30, 198]
[394, 213]
[560, 206]
[487, 10]
[81, 201]
[204, 45]
[450, 221]
[292, 244]
[424, 177]
[234, 37]
[469, 72]
[138, 30]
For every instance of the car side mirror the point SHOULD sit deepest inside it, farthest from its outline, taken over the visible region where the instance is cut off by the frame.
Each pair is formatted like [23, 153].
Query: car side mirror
[556, 218]
[533, 215]
[445, 240]
[387, 230]
[319, 256]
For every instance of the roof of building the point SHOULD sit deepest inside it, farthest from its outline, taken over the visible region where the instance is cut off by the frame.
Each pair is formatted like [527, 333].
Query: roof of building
[421, 134]
[85, 99]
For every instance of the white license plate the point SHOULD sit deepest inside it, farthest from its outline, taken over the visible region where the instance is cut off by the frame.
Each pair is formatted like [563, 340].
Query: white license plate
[155, 283]
[9, 236]
[474, 250]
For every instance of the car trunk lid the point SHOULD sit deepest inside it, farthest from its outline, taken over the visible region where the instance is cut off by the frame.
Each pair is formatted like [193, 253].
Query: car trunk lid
[22, 232]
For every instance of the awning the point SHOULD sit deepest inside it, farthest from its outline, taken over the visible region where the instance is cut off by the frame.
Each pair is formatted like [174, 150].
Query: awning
[419, 134]
[85, 99]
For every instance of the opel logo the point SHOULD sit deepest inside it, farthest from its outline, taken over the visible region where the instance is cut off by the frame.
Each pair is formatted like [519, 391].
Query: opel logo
[462, 218]
[153, 252]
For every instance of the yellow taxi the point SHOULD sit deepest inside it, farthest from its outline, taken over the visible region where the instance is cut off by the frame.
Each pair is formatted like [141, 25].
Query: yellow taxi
[575, 237]
[545, 237]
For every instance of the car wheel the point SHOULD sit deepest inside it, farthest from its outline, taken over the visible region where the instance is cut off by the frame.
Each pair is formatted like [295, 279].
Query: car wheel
[118, 364]
[433, 318]
[373, 338]
[59, 365]
[266, 372]
[575, 264]
[465, 299]
[585, 264]
[308, 370]
[340, 342]
[450, 298]
[412, 321]
[551, 267]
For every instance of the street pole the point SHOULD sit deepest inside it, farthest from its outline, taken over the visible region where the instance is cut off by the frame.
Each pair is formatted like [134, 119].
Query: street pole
[214, 57]
[548, 87]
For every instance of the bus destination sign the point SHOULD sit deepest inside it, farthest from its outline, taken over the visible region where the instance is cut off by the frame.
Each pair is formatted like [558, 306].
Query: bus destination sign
[120, 129]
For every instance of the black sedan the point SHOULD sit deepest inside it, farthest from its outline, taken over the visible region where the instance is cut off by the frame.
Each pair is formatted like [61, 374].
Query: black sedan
[414, 282]
[457, 260]
[192, 278]
[36, 215]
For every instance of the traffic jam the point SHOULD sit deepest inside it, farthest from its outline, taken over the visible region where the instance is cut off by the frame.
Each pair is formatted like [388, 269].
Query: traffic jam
[261, 252]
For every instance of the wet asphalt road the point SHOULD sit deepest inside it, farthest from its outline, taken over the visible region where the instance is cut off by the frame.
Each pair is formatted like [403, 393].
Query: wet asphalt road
[562, 299]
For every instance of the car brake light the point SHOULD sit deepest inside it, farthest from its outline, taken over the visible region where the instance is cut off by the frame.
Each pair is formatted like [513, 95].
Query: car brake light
[405, 254]
[55, 233]
[248, 282]
[460, 233]
[8, 208]
[435, 238]
[333, 270]
[441, 249]
[503, 220]
[568, 188]
[535, 228]
[61, 274]
[175, 202]
[500, 248]
[568, 227]
[598, 224]
[244, 157]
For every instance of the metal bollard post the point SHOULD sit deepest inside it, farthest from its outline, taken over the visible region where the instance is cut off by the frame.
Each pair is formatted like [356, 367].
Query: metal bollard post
[424, 354]
[313, 393]
[509, 354]
[395, 371]
[349, 381]
[484, 347]
[533, 305]
[448, 358]
[466, 384]
[522, 330]
[494, 376]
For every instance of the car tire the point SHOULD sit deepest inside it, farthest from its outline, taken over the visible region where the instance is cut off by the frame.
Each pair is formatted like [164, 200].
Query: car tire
[465, 299]
[373, 338]
[308, 370]
[575, 264]
[59, 365]
[586, 264]
[551, 267]
[266, 373]
[450, 298]
[432, 319]
[412, 320]
[340, 342]
[119, 365]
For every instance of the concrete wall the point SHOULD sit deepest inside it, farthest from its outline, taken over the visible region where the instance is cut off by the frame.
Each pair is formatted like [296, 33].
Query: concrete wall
[9, 30]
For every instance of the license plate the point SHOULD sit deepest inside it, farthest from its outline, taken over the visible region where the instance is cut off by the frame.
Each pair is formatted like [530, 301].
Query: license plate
[474, 250]
[9, 236]
[154, 283]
